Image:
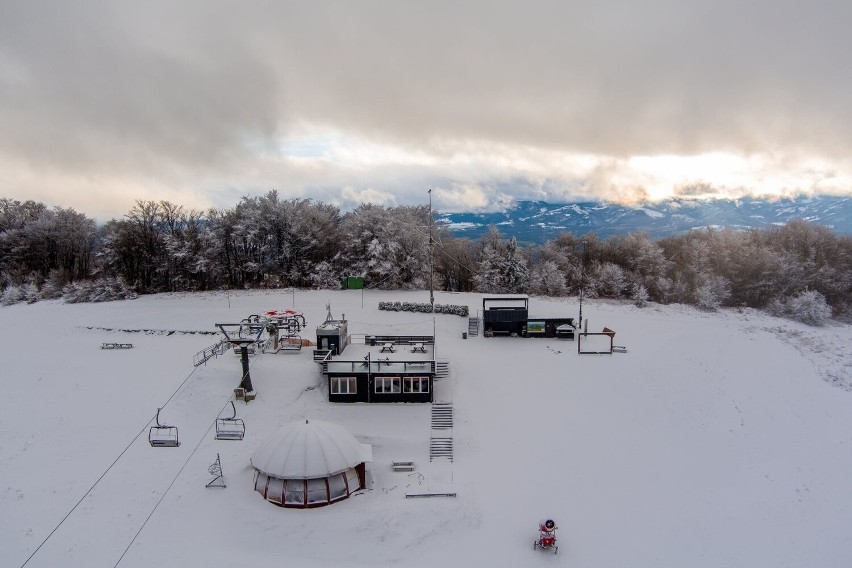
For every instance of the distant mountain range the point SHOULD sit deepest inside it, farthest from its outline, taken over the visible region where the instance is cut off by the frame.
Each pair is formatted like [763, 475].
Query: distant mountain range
[538, 221]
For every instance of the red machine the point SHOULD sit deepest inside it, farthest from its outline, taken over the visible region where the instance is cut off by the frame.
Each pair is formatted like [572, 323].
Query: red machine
[546, 536]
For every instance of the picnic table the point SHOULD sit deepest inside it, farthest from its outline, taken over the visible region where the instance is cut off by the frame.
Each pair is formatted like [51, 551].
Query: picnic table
[418, 348]
[387, 347]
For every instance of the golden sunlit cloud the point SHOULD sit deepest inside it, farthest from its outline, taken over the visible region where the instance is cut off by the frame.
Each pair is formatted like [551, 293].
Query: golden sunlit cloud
[466, 175]
[101, 196]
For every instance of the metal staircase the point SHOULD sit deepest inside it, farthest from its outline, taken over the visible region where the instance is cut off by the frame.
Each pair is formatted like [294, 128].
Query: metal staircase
[442, 369]
[472, 327]
[442, 416]
[440, 448]
[441, 440]
[208, 353]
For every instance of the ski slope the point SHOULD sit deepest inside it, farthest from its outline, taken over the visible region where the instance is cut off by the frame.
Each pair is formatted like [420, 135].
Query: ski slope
[718, 439]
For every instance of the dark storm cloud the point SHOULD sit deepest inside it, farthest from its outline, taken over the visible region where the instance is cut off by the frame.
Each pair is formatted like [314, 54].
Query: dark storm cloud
[87, 84]
[173, 90]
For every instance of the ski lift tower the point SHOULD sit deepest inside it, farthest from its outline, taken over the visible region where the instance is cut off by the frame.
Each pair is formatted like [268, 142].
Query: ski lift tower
[241, 335]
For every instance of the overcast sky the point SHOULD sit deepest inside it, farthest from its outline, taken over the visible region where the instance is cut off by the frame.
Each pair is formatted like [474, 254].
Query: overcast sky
[202, 102]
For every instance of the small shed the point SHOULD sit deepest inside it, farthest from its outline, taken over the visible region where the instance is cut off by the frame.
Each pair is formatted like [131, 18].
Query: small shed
[506, 315]
[565, 331]
[332, 334]
[310, 464]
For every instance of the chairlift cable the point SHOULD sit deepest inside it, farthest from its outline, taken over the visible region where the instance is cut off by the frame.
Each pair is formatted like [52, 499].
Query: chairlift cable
[98, 480]
[163, 496]
[86, 494]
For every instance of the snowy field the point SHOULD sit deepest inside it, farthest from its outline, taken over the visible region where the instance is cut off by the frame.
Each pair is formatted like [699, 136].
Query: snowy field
[718, 439]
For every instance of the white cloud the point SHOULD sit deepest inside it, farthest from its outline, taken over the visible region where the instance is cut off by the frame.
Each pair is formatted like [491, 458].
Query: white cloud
[468, 197]
[351, 196]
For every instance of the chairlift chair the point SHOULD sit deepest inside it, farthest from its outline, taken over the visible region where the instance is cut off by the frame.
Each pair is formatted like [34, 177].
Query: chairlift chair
[162, 435]
[232, 428]
[291, 343]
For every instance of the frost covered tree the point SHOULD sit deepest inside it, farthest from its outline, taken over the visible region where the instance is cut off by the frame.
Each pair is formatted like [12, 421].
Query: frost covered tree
[387, 246]
[502, 266]
[454, 262]
[641, 259]
[516, 269]
[712, 291]
[607, 280]
[488, 277]
[324, 277]
[546, 279]
[270, 241]
[105, 289]
[565, 251]
[639, 295]
[809, 307]
[36, 241]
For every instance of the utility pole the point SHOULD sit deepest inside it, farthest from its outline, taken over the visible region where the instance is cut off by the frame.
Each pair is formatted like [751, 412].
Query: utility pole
[582, 281]
[369, 368]
[431, 257]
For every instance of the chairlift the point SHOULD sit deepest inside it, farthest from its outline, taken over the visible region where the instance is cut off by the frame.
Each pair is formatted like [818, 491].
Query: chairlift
[232, 428]
[162, 435]
[253, 323]
[291, 343]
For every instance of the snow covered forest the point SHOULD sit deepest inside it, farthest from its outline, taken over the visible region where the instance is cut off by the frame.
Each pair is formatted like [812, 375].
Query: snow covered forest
[800, 269]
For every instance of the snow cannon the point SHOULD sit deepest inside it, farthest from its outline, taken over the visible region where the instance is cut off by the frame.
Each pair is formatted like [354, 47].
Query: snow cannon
[546, 535]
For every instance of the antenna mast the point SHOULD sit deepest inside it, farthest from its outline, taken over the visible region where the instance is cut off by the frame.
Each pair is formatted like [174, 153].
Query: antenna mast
[582, 282]
[431, 257]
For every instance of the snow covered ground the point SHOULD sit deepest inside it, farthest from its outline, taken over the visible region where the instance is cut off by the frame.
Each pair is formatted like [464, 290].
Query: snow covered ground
[719, 439]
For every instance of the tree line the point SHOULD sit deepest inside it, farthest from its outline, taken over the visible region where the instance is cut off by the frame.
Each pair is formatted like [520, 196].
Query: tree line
[799, 269]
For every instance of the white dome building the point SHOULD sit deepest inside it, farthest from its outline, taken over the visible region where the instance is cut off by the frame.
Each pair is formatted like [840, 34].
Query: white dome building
[310, 464]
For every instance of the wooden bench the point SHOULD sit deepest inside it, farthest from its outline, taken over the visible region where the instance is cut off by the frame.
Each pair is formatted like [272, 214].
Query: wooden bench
[403, 466]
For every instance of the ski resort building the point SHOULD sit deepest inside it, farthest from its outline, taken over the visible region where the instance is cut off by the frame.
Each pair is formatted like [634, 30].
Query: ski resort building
[382, 368]
[375, 368]
[509, 315]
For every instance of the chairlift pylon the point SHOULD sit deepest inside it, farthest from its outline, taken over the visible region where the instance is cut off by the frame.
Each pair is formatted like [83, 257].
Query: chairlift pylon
[163, 435]
[232, 428]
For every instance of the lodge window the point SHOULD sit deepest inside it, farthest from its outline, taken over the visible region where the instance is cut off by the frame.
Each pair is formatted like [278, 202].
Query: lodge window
[415, 384]
[344, 385]
[387, 384]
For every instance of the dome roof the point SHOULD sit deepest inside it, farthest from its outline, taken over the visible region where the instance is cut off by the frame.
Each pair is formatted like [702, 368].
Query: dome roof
[309, 449]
